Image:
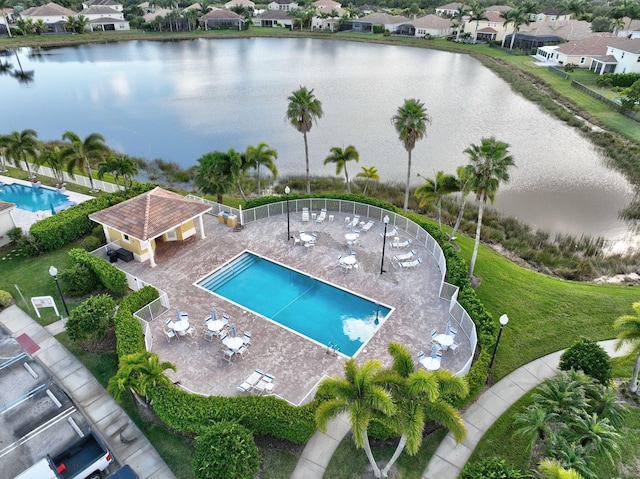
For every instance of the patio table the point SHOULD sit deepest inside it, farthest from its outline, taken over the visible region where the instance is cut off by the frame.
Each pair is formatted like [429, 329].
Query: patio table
[430, 364]
[215, 325]
[233, 343]
[180, 326]
[445, 340]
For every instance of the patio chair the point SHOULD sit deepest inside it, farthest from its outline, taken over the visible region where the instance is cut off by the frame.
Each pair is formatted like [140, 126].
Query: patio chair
[296, 241]
[368, 226]
[209, 335]
[246, 338]
[455, 347]
[305, 214]
[225, 318]
[227, 355]
[169, 323]
[410, 264]
[169, 334]
[420, 356]
[405, 256]
[243, 351]
[322, 216]
[439, 354]
[453, 332]
[434, 335]
[191, 331]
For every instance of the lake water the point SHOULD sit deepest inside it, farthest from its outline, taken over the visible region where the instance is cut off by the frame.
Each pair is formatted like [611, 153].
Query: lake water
[178, 100]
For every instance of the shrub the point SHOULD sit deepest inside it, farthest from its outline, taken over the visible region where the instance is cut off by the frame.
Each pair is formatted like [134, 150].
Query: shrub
[5, 298]
[90, 243]
[129, 335]
[226, 450]
[98, 232]
[79, 280]
[15, 234]
[91, 319]
[491, 468]
[110, 276]
[587, 356]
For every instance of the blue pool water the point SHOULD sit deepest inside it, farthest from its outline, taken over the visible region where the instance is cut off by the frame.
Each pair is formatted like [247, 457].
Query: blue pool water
[31, 199]
[312, 308]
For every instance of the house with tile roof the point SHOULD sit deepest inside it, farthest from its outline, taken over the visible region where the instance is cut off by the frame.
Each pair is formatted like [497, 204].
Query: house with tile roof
[327, 19]
[274, 18]
[286, 5]
[218, 18]
[239, 3]
[103, 3]
[622, 57]
[326, 5]
[428, 26]
[450, 9]
[490, 28]
[138, 223]
[51, 13]
[365, 24]
[105, 18]
[538, 34]
[6, 221]
[579, 52]
[551, 14]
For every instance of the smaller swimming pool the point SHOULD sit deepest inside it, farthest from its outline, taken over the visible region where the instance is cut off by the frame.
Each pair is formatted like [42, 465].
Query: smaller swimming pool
[31, 199]
[312, 308]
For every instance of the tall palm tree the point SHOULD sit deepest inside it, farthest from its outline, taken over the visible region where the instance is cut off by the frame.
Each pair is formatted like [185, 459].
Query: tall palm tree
[360, 393]
[84, 153]
[303, 109]
[137, 373]
[419, 397]
[22, 146]
[489, 165]
[628, 328]
[517, 16]
[3, 153]
[214, 173]
[259, 156]
[462, 179]
[5, 4]
[478, 12]
[239, 166]
[461, 12]
[434, 189]
[552, 469]
[119, 166]
[369, 174]
[340, 157]
[51, 156]
[410, 123]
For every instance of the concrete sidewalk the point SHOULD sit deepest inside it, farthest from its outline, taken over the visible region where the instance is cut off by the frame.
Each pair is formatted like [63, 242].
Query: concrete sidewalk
[126, 442]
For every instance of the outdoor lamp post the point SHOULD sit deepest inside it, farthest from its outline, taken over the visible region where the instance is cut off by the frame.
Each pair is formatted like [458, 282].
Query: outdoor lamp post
[385, 220]
[53, 271]
[504, 319]
[287, 190]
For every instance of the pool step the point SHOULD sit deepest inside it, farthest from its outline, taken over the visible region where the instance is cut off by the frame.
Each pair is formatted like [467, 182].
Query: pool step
[229, 271]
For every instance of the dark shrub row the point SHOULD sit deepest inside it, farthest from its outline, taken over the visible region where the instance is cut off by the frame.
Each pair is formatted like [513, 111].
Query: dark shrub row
[110, 276]
[129, 335]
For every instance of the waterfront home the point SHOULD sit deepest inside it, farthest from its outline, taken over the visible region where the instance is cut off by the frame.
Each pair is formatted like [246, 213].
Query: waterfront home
[54, 15]
[366, 23]
[430, 26]
[274, 18]
[622, 57]
[490, 28]
[221, 18]
[538, 34]
[579, 52]
[105, 18]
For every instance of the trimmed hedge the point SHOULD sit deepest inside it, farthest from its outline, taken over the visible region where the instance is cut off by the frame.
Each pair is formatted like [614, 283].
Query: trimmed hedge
[129, 334]
[110, 276]
[71, 224]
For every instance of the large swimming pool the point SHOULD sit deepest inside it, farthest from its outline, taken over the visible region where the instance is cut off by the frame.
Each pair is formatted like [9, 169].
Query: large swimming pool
[312, 308]
[31, 199]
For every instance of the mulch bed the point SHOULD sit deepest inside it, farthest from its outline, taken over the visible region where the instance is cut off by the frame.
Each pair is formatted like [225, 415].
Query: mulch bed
[104, 345]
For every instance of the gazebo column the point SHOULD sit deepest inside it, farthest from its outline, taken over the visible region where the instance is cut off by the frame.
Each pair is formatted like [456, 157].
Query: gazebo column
[152, 259]
[201, 223]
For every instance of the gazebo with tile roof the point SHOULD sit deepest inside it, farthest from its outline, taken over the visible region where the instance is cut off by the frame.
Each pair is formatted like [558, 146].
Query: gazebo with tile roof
[155, 215]
[6, 221]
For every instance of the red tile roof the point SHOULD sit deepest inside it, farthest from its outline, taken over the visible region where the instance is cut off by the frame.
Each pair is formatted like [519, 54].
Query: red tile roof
[6, 206]
[150, 214]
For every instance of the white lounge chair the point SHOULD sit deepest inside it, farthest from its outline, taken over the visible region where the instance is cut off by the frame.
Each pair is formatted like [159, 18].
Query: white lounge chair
[322, 216]
[354, 222]
[305, 214]
[368, 226]
[410, 264]
[405, 256]
[391, 233]
[401, 244]
[265, 385]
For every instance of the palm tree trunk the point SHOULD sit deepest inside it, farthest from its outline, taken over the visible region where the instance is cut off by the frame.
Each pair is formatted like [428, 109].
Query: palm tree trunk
[477, 241]
[347, 177]
[633, 384]
[396, 455]
[372, 461]
[459, 218]
[439, 208]
[241, 191]
[258, 171]
[26, 162]
[513, 38]
[306, 155]
[406, 190]
[93, 187]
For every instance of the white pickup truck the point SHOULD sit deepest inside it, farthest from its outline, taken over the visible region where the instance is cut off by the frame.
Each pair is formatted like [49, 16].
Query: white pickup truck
[83, 459]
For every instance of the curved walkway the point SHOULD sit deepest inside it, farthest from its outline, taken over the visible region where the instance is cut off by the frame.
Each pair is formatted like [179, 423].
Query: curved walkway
[449, 458]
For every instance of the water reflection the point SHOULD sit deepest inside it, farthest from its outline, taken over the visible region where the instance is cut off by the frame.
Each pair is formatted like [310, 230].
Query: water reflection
[177, 100]
[24, 77]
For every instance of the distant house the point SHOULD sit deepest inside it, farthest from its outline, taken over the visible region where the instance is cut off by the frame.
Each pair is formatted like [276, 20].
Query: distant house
[450, 9]
[551, 14]
[274, 18]
[367, 9]
[498, 8]
[433, 26]
[102, 3]
[154, 13]
[239, 3]
[54, 15]
[580, 52]
[221, 18]
[622, 57]
[326, 5]
[327, 17]
[538, 34]
[285, 5]
[490, 28]
[105, 18]
[366, 23]
[139, 223]
[6, 221]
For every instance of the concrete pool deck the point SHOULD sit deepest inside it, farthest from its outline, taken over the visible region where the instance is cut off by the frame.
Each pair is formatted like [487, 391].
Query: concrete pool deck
[297, 363]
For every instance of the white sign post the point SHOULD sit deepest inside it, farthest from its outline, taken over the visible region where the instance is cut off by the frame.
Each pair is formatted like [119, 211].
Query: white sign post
[44, 302]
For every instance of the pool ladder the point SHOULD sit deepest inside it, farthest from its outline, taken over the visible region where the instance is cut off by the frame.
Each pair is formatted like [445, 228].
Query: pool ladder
[332, 348]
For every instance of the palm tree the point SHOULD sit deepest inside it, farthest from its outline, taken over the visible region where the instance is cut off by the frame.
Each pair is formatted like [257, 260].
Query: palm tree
[137, 373]
[461, 12]
[213, 174]
[259, 156]
[552, 469]
[419, 397]
[361, 393]
[83, 153]
[52, 157]
[340, 158]
[410, 123]
[303, 109]
[3, 153]
[119, 166]
[596, 435]
[628, 328]
[369, 174]
[22, 146]
[535, 423]
[434, 189]
[517, 16]
[477, 14]
[462, 179]
[489, 164]
[5, 4]
[239, 165]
